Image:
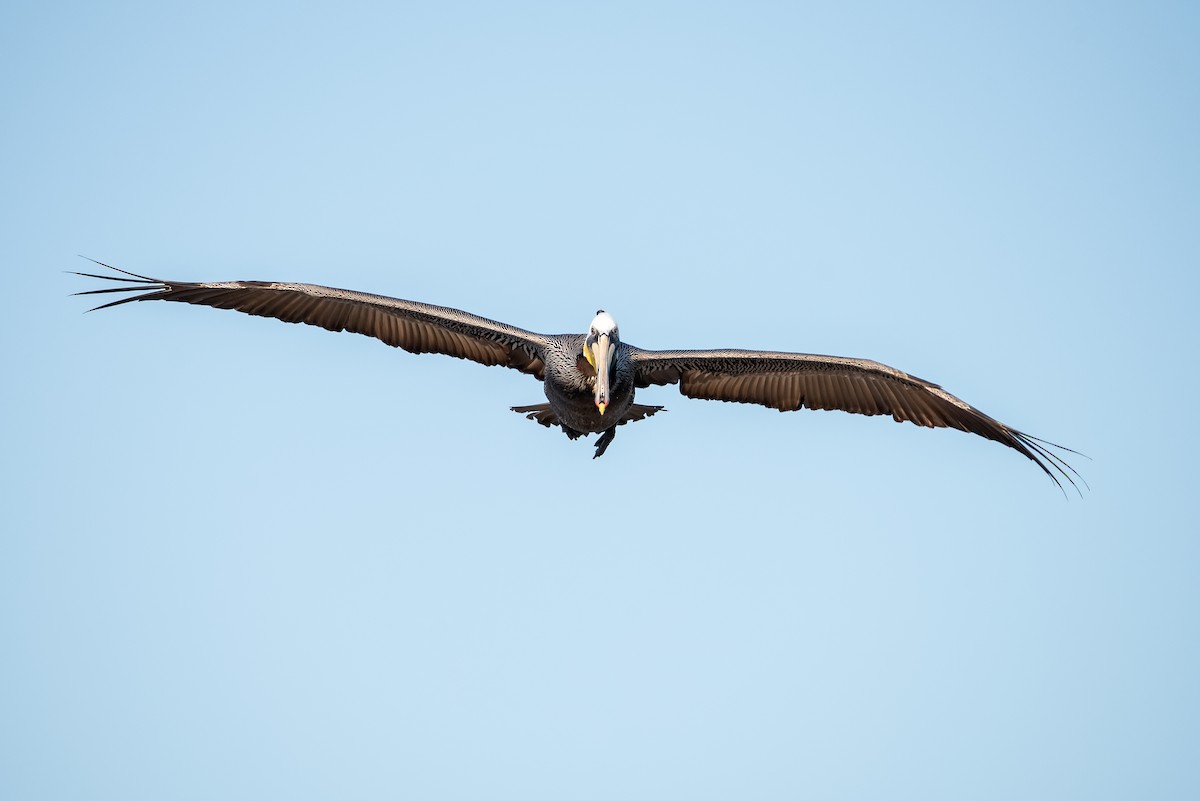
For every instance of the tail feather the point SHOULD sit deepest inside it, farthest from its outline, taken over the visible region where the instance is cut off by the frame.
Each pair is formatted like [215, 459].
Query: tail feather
[542, 414]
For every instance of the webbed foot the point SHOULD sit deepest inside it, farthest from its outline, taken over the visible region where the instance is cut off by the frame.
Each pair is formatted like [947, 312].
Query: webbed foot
[605, 440]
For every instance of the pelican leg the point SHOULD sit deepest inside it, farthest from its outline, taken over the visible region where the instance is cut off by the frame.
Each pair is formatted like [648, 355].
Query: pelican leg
[605, 440]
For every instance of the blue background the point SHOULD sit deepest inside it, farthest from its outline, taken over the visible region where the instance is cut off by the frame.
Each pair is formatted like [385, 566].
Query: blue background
[247, 560]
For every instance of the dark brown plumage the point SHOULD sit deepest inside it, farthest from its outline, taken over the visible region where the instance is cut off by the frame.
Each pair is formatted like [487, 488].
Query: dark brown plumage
[791, 381]
[567, 363]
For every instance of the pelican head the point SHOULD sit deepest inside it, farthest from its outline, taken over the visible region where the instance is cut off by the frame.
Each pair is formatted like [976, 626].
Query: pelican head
[600, 349]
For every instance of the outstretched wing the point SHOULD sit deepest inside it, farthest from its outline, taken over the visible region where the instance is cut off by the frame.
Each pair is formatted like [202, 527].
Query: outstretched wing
[790, 381]
[415, 327]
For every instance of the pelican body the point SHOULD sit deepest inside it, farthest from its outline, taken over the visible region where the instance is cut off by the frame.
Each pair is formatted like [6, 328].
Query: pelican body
[590, 380]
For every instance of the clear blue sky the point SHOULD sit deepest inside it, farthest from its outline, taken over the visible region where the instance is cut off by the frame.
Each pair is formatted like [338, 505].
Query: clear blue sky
[245, 560]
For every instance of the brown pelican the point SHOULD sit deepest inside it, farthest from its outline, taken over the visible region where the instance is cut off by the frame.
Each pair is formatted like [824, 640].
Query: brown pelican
[590, 379]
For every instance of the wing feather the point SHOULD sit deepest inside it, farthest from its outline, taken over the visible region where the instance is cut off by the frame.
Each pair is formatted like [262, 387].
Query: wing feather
[790, 381]
[415, 327]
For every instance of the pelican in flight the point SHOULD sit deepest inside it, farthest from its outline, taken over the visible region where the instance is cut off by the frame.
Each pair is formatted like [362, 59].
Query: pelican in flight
[590, 379]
